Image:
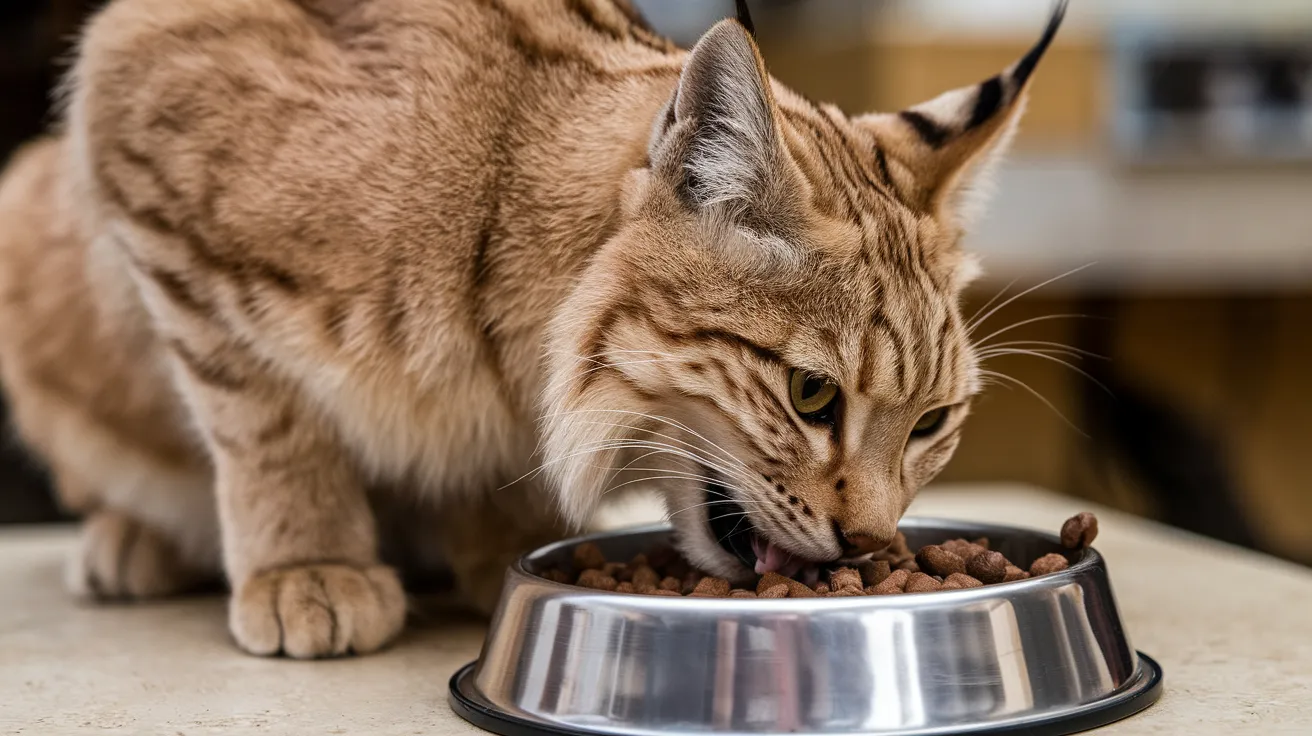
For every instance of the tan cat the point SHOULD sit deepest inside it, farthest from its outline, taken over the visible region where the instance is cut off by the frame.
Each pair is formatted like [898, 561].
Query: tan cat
[287, 263]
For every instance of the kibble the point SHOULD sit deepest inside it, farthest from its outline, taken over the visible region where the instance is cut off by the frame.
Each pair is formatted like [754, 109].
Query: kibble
[711, 588]
[919, 582]
[596, 579]
[1079, 531]
[987, 567]
[796, 589]
[895, 583]
[1048, 564]
[873, 572]
[588, 556]
[959, 580]
[955, 564]
[645, 577]
[935, 560]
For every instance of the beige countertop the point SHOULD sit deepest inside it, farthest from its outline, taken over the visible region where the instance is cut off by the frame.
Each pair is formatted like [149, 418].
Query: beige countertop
[1232, 630]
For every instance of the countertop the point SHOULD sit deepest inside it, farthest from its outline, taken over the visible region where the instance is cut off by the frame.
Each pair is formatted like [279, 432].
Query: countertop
[1232, 629]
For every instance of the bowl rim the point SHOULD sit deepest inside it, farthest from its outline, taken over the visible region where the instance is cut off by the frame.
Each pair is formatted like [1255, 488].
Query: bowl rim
[1090, 559]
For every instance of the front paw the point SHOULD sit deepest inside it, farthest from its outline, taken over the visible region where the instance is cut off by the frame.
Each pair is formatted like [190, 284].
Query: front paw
[318, 610]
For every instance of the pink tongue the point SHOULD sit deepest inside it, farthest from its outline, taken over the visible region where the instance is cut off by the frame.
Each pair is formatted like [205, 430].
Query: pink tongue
[772, 558]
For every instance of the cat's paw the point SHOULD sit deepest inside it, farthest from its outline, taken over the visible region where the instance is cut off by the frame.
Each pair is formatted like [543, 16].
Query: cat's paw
[120, 558]
[318, 610]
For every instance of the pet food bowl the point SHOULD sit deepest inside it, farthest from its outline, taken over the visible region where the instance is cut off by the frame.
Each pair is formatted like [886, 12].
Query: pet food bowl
[1044, 656]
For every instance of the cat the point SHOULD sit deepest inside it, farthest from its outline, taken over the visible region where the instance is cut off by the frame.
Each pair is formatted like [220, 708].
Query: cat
[295, 283]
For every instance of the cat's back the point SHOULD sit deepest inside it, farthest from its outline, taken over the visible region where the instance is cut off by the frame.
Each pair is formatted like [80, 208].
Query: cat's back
[237, 117]
[341, 129]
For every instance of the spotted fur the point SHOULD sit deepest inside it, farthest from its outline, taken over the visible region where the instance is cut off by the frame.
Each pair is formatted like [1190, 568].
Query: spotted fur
[285, 264]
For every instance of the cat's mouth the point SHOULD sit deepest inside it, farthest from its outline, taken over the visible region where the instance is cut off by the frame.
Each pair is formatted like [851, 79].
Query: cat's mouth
[734, 532]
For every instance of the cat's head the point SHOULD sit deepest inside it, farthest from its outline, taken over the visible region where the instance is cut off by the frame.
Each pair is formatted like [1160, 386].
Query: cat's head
[773, 339]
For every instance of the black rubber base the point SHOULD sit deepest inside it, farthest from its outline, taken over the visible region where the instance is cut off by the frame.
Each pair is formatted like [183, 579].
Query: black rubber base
[1115, 708]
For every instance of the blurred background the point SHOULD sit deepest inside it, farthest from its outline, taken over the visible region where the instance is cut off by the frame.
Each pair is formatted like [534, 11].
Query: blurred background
[1163, 178]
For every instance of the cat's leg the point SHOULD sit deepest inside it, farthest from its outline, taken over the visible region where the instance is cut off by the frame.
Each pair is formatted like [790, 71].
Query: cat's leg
[299, 538]
[89, 395]
[482, 535]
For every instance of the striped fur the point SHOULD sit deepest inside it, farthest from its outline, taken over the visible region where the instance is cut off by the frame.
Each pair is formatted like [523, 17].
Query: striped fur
[287, 265]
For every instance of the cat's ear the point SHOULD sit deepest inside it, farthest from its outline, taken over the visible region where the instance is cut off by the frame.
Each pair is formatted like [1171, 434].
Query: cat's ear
[718, 142]
[939, 152]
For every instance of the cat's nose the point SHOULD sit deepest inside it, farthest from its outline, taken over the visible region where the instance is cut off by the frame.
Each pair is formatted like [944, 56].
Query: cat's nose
[855, 544]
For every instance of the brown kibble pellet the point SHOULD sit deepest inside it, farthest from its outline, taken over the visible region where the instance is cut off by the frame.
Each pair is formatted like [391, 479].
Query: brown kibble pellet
[909, 564]
[982, 542]
[740, 593]
[670, 584]
[597, 580]
[711, 588]
[822, 588]
[1014, 573]
[1048, 564]
[774, 591]
[639, 560]
[614, 569]
[921, 583]
[1079, 531]
[588, 556]
[963, 549]
[795, 588]
[662, 591]
[988, 567]
[873, 572]
[556, 575]
[625, 587]
[935, 560]
[645, 577]
[896, 582]
[769, 580]
[845, 577]
[961, 580]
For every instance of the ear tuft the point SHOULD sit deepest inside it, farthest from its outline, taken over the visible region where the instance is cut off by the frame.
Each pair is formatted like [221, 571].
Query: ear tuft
[942, 145]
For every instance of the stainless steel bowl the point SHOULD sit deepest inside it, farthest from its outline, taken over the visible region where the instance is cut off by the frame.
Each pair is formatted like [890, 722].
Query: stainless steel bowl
[1047, 655]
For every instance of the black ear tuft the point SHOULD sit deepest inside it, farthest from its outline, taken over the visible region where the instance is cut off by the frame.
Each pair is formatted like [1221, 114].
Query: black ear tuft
[745, 17]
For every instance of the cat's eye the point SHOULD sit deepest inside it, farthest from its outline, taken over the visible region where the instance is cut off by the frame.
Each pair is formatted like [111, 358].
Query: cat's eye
[930, 422]
[812, 395]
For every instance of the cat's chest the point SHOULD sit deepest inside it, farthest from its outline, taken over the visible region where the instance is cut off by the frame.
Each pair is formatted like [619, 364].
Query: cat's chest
[457, 428]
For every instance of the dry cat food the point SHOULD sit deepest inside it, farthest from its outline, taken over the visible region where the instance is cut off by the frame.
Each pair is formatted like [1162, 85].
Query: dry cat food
[951, 565]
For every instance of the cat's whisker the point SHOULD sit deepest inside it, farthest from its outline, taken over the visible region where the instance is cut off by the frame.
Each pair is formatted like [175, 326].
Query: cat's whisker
[695, 457]
[976, 322]
[732, 531]
[1037, 395]
[645, 480]
[1043, 343]
[664, 420]
[620, 444]
[989, 303]
[984, 340]
[663, 436]
[1058, 361]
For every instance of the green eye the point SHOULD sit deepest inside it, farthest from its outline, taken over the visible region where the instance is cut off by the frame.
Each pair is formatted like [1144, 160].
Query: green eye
[811, 394]
[929, 422]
